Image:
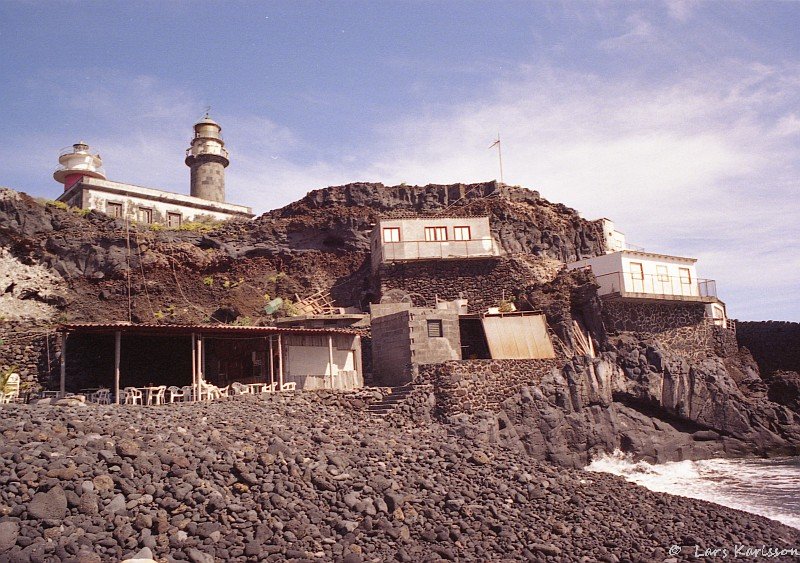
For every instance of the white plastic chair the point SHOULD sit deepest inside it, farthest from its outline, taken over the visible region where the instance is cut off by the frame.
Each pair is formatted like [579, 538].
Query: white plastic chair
[289, 386]
[188, 392]
[10, 392]
[158, 395]
[176, 392]
[133, 396]
[102, 396]
[270, 388]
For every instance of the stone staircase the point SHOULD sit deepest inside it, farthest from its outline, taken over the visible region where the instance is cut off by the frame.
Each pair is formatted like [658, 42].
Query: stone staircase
[393, 397]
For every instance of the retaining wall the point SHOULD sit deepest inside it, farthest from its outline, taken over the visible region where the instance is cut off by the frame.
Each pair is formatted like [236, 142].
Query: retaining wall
[775, 345]
[474, 385]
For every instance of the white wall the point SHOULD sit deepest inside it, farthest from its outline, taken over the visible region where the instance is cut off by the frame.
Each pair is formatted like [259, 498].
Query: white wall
[413, 246]
[306, 362]
[614, 240]
[93, 193]
[661, 274]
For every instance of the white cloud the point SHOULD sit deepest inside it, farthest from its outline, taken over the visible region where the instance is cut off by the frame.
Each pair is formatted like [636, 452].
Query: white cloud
[680, 10]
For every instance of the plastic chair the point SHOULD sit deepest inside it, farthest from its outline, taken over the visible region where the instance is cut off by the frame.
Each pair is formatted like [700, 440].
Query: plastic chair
[102, 396]
[176, 392]
[239, 388]
[157, 397]
[133, 396]
[188, 392]
[289, 386]
[10, 392]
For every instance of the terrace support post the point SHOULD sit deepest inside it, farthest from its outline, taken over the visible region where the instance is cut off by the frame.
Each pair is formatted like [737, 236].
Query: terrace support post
[117, 354]
[280, 362]
[200, 366]
[271, 364]
[330, 357]
[63, 385]
[194, 366]
[203, 356]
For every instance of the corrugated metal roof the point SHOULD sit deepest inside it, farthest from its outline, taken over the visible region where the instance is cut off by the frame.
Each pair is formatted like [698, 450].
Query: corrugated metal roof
[196, 328]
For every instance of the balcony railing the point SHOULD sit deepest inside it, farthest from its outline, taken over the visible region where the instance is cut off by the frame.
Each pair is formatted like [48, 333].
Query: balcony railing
[658, 285]
[425, 249]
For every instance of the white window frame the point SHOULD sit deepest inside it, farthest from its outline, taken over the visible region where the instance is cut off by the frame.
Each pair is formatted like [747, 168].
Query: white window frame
[458, 232]
[391, 234]
[435, 234]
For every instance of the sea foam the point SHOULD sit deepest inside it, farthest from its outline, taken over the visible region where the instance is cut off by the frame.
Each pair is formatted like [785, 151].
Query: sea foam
[768, 487]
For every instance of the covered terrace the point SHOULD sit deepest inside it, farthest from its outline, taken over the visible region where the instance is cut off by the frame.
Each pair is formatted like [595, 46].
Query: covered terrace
[125, 354]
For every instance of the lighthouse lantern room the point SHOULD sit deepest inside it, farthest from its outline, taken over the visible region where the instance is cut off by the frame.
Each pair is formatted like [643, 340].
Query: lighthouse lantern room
[78, 161]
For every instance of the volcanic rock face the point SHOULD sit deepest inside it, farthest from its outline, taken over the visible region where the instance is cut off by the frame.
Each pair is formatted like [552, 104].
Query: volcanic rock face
[320, 241]
[314, 476]
[643, 400]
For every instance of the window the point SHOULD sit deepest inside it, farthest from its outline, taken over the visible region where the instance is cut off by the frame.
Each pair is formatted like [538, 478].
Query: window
[144, 215]
[435, 233]
[461, 233]
[637, 272]
[662, 273]
[435, 328]
[173, 220]
[686, 275]
[391, 234]
[114, 209]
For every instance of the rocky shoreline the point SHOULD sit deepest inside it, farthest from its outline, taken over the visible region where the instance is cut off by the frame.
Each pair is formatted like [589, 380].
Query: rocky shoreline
[315, 476]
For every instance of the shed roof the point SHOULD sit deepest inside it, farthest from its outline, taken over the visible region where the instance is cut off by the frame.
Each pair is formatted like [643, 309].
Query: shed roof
[188, 329]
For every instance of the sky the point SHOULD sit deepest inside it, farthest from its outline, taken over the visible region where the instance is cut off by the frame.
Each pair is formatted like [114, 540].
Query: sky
[678, 119]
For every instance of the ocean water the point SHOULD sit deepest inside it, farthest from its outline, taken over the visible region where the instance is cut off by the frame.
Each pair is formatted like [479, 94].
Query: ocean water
[769, 487]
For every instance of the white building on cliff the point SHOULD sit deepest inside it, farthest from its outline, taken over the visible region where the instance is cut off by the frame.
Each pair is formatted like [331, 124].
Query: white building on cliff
[81, 172]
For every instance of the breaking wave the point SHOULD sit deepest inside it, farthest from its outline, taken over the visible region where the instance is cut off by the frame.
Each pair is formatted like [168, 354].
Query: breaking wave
[768, 487]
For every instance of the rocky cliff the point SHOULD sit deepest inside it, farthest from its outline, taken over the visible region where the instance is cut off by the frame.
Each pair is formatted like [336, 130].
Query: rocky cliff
[645, 393]
[86, 266]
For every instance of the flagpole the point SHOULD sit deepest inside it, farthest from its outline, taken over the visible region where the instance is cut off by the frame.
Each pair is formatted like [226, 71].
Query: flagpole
[499, 156]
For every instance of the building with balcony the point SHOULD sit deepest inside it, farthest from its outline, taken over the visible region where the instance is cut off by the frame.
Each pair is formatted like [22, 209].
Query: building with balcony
[431, 238]
[636, 276]
[81, 172]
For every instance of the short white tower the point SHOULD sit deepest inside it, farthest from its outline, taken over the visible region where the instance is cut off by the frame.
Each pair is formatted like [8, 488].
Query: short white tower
[207, 159]
[78, 161]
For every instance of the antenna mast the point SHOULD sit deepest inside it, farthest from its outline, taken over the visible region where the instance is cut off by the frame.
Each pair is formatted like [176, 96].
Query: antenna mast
[499, 156]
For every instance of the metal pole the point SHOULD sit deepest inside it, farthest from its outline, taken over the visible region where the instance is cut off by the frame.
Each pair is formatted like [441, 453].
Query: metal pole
[63, 385]
[330, 357]
[271, 364]
[200, 373]
[117, 354]
[194, 367]
[500, 156]
[280, 362]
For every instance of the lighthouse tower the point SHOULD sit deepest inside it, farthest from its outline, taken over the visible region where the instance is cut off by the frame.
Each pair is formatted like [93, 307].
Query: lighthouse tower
[78, 161]
[207, 159]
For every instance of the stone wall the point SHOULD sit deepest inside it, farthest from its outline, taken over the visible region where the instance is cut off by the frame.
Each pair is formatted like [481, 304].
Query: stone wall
[475, 385]
[680, 327]
[484, 282]
[775, 345]
[32, 350]
[628, 316]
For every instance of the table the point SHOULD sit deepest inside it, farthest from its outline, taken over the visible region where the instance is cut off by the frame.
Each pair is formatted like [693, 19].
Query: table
[255, 388]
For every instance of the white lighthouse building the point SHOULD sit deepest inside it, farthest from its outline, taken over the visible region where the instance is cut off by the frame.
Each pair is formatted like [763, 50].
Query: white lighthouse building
[81, 172]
